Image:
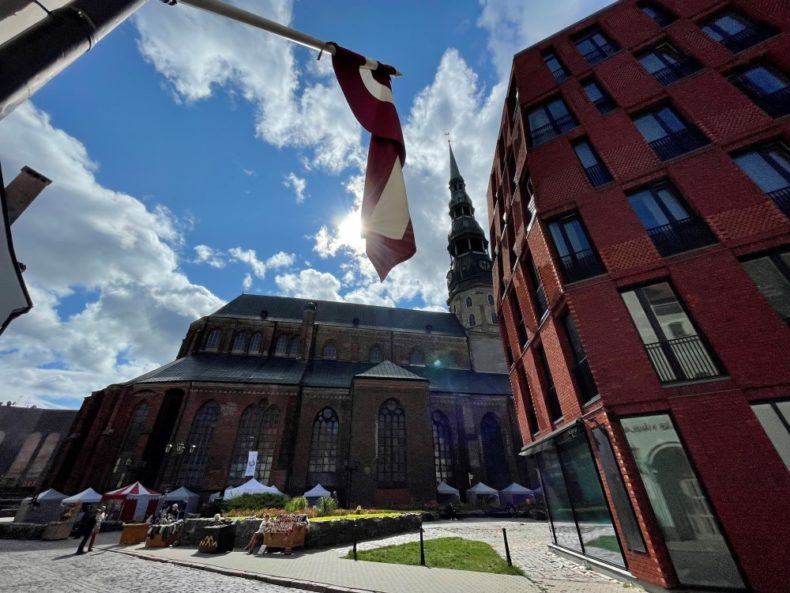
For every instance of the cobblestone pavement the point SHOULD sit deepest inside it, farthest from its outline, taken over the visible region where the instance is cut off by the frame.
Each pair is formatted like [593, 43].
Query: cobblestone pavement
[52, 567]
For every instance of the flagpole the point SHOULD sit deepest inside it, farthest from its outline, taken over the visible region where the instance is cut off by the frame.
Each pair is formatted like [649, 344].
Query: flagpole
[249, 18]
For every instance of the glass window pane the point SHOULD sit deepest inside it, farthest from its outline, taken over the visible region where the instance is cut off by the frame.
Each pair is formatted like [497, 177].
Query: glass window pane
[577, 236]
[650, 128]
[695, 544]
[559, 240]
[776, 430]
[672, 204]
[557, 500]
[764, 80]
[668, 312]
[774, 285]
[585, 154]
[651, 63]
[585, 46]
[712, 33]
[640, 318]
[670, 120]
[730, 24]
[593, 92]
[558, 109]
[780, 161]
[648, 211]
[761, 172]
[538, 118]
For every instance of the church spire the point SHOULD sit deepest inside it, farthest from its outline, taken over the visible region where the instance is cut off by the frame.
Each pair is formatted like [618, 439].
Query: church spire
[454, 172]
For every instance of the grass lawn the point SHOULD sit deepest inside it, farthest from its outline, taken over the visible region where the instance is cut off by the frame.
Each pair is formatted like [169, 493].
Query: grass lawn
[355, 516]
[445, 552]
[605, 542]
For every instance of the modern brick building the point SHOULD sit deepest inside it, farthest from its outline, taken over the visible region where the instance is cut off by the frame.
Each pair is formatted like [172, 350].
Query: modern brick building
[377, 403]
[639, 203]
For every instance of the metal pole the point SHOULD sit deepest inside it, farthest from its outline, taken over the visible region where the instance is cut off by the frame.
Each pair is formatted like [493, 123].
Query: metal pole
[422, 549]
[30, 57]
[355, 545]
[507, 548]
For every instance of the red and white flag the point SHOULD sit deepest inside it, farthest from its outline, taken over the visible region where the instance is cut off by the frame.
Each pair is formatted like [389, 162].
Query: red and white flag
[386, 223]
[14, 300]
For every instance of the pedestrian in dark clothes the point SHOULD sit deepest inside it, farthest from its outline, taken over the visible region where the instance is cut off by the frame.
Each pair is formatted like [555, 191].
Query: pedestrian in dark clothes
[86, 529]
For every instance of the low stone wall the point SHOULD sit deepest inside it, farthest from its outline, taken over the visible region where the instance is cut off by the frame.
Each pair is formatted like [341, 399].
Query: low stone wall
[320, 534]
[21, 530]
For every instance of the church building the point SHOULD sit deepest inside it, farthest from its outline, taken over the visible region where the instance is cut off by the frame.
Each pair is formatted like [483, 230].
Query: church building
[350, 396]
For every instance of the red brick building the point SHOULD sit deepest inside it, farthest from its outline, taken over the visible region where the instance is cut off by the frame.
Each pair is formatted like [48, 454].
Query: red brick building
[639, 204]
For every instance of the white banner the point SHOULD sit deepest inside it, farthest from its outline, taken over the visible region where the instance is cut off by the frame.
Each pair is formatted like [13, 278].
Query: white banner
[252, 461]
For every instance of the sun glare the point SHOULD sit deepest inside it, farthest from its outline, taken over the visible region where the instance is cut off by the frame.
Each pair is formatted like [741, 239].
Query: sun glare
[349, 231]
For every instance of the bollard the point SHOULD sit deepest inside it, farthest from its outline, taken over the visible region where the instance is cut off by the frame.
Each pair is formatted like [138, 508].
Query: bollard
[507, 548]
[422, 550]
[355, 547]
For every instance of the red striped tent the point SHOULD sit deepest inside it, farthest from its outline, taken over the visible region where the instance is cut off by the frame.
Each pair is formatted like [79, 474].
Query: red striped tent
[137, 501]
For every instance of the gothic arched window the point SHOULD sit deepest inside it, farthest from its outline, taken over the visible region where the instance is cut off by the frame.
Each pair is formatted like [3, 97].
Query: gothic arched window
[294, 348]
[442, 447]
[375, 354]
[416, 357]
[490, 299]
[330, 351]
[267, 443]
[214, 339]
[391, 449]
[323, 448]
[255, 344]
[192, 470]
[494, 458]
[121, 471]
[257, 432]
[281, 346]
[472, 320]
[240, 342]
[468, 302]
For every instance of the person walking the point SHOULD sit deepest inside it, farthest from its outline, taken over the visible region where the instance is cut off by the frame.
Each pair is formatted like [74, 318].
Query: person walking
[87, 524]
[100, 516]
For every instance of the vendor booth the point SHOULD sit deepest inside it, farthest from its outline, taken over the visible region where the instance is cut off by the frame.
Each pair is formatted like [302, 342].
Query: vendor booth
[136, 501]
[516, 494]
[87, 496]
[251, 486]
[186, 500]
[42, 508]
[315, 494]
[480, 494]
[446, 493]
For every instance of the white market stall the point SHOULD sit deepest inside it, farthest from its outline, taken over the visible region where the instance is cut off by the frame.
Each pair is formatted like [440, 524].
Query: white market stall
[482, 493]
[87, 496]
[251, 486]
[447, 493]
[515, 494]
[315, 494]
[137, 502]
[42, 508]
[187, 500]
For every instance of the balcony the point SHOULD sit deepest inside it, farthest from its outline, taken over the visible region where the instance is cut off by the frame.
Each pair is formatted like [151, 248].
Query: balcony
[751, 35]
[677, 143]
[680, 236]
[604, 105]
[598, 175]
[781, 198]
[775, 104]
[600, 53]
[676, 71]
[558, 126]
[584, 381]
[581, 265]
[682, 359]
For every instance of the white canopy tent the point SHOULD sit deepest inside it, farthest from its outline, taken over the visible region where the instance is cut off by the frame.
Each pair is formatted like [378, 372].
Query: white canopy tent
[251, 486]
[315, 494]
[447, 493]
[480, 493]
[515, 494]
[183, 494]
[45, 508]
[87, 496]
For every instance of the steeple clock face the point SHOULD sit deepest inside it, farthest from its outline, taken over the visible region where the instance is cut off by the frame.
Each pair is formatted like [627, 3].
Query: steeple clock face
[484, 264]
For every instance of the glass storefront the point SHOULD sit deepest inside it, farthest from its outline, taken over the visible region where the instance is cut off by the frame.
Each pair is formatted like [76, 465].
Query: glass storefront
[698, 550]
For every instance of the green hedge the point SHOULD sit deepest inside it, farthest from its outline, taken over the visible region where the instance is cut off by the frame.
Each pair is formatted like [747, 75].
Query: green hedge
[255, 501]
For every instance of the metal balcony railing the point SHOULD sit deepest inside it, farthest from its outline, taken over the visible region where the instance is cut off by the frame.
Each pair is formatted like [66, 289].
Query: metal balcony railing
[751, 35]
[560, 75]
[775, 104]
[682, 359]
[781, 198]
[555, 128]
[676, 71]
[581, 264]
[680, 236]
[677, 143]
[598, 175]
[600, 53]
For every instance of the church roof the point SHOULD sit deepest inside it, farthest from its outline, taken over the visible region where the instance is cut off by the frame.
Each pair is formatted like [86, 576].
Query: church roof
[227, 368]
[332, 312]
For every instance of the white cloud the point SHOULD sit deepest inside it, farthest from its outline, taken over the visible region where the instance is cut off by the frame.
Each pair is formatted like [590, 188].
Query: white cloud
[298, 184]
[249, 172]
[310, 284]
[206, 255]
[246, 284]
[79, 236]
[281, 260]
[249, 257]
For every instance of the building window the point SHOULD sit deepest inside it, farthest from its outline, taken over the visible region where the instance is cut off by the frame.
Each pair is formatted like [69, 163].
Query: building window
[555, 66]
[122, 471]
[660, 15]
[392, 446]
[494, 455]
[595, 170]
[767, 87]
[416, 357]
[695, 544]
[581, 369]
[555, 411]
[577, 255]
[668, 135]
[667, 64]
[775, 419]
[490, 299]
[294, 350]
[736, 32]
[330, 351]
[521, 329]
[594, 46]
[214, 340]
[375, 354]
[665, 218]
[771, 274]
[526, 400]
[255, 344]
[468, 302]
[538, 293]
[246, 442]
[674, 345]
[240, 343]
[494, 319]
[442, 447]
[193, 460]
[323, 448]
[472, 320]
[769, 168]
[549, 120]
[597, 97]
[281, 346]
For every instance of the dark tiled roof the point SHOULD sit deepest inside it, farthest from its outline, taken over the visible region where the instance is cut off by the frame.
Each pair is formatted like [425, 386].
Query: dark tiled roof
[389, 370]
[227, 368]
[464, 381]
[332, 373]
[281, 308]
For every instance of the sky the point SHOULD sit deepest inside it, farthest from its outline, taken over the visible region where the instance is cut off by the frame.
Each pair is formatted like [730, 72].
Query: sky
[193, 159]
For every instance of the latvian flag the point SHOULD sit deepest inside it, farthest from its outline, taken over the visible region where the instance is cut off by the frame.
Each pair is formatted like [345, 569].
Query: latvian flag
[386, 223]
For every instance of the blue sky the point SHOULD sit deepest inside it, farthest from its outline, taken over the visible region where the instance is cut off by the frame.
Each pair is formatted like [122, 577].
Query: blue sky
[193, 158]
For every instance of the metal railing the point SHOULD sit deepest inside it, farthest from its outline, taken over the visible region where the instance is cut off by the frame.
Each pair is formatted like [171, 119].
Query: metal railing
[682, 359]
[555, 128]
[751, 35]
[673, 72]
[677, 143]
[775, 104]
[781, 198]
[598, 175]
[680, 236]
[581, 264]
[600, 53]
